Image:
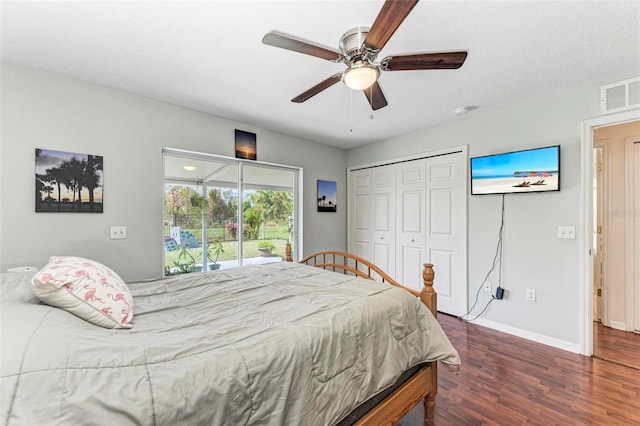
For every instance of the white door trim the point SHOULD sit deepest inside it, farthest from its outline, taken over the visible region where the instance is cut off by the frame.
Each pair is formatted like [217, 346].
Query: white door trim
[586, 221]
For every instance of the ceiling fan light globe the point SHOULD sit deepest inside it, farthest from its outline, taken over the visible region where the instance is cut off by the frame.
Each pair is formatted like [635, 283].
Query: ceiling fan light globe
[361, 77]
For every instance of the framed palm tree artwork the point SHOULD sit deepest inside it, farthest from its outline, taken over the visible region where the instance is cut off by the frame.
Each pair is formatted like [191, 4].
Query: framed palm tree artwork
[327, 196]
[68, 182]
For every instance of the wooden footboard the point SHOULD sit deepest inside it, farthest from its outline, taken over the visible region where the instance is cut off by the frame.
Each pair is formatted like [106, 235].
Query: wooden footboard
[421, 386]
[339, 261]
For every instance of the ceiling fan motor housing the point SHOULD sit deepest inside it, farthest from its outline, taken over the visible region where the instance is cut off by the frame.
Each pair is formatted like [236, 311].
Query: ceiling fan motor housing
[352, 44]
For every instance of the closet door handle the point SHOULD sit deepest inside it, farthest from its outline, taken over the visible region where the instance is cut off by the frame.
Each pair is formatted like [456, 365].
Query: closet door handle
[413, 241]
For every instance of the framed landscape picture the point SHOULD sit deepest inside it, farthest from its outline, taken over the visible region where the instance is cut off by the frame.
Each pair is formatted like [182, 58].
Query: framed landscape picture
[327, 196]
[68, 182]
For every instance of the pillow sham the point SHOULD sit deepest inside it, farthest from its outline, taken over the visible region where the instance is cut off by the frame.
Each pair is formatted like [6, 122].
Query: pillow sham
[87, 289]
[16, 287]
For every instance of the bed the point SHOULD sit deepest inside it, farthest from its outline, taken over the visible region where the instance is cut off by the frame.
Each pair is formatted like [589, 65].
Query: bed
[281, 343]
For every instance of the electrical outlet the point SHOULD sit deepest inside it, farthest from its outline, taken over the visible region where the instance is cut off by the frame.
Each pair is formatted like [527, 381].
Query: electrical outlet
[118, 232]
[567, 232]
[487, 287]
[531, 295]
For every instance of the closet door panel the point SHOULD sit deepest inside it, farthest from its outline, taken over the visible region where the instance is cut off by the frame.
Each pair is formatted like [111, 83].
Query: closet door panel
[411, 208]
[441, 212]
[411, 258]
[410, 228]
[446, 230]
[360, 229]
[444, 260]
[384, 214]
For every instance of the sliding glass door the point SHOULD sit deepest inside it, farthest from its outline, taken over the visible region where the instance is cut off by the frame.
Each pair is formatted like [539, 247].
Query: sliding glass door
[208, 226]
[267, 212]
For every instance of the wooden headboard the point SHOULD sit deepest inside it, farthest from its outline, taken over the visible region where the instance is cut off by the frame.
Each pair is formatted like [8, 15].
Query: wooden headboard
[350, 264]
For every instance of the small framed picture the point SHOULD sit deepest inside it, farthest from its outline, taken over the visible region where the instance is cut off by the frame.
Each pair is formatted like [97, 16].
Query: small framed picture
[327, 196]
[246, 145]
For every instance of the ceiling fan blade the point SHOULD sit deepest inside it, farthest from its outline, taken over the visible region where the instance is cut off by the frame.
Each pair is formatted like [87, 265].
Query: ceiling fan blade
[325, 84]
[375, 96]
[392, 14]
[424, 61]
[288, 42]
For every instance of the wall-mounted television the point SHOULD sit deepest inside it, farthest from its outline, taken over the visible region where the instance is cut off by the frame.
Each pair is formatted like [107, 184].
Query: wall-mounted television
[530, 170]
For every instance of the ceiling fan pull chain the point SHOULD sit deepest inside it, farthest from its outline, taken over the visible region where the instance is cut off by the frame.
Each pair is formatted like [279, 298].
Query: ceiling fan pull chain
[371, 97]
[350, 111]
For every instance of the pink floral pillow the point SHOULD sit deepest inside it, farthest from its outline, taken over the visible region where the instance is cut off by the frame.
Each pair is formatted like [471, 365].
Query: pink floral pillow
[87, 289]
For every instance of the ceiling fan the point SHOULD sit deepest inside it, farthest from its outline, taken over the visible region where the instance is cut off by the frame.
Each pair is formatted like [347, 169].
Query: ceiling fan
[359, 48]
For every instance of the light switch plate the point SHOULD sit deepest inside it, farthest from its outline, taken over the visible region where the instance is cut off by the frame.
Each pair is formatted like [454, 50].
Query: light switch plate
[567, 232]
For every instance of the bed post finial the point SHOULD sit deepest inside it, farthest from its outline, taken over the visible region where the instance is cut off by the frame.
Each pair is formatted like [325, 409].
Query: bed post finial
[428, 294]
[428, 297]
[288, 251]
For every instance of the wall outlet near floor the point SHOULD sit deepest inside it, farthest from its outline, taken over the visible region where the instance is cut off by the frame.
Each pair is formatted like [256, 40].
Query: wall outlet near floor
[118, 232]
[531, 295]
[487, 287]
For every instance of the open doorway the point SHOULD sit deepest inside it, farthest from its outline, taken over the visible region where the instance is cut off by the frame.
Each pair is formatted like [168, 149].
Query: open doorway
[222, 212]
[614, 246]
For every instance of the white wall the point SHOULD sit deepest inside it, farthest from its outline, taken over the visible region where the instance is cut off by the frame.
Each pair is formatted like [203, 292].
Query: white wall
[534, 258]
[42, 110]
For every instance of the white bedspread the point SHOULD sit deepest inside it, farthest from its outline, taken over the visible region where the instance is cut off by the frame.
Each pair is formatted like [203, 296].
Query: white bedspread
[271, 344]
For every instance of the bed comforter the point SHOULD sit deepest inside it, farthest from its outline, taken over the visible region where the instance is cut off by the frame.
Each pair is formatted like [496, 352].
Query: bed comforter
[271, 344]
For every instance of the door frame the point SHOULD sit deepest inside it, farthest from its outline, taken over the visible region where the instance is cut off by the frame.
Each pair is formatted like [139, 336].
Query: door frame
[586, 221]
[632, 285]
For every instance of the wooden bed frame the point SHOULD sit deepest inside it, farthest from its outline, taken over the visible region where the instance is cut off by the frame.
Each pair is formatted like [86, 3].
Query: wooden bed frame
[423, 385]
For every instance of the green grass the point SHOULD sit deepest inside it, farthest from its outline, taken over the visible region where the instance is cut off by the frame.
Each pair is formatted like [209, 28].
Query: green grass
[271, 232]
[277, 234]
[230, 251]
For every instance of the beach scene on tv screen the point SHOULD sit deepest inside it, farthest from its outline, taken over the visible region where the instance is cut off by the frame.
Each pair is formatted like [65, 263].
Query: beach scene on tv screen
[523, 171]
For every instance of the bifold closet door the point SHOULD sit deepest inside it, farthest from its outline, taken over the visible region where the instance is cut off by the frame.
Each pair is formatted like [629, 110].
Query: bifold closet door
[410, 222]
[412, 212]
[383, 180]
[360, 229]
[446, 229]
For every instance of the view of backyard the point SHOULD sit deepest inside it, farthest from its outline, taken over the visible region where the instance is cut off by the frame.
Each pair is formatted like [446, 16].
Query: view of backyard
[276, 234]
[266, 226]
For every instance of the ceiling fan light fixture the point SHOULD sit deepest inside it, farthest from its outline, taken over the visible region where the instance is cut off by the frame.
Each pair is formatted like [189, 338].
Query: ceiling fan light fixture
[361, 75]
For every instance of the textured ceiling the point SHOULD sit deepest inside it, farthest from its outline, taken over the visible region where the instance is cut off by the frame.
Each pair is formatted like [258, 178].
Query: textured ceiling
[208, 56]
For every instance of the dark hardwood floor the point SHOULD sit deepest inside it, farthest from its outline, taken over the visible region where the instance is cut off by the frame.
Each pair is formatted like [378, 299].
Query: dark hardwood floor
[506, 380]
[618, 346]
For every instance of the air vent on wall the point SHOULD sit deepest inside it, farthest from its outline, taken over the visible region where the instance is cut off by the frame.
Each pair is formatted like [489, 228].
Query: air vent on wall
[620, 96]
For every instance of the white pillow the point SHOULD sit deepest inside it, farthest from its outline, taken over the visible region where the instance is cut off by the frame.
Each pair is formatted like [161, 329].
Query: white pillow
[16, 286]
[86, 289]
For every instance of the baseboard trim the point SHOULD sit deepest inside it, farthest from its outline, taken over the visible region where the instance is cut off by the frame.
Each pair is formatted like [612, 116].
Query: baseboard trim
[618, 325]
[535, 337]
